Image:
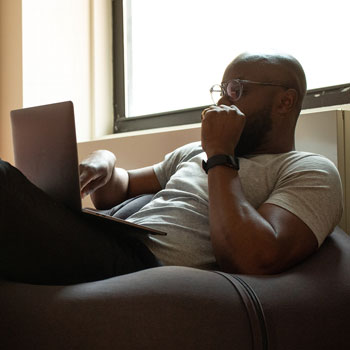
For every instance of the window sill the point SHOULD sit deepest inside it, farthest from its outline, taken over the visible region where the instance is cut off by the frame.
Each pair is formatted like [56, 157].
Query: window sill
[148, 132]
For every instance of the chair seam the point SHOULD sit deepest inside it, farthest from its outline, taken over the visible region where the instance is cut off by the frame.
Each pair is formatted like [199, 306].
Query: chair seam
[254, 310]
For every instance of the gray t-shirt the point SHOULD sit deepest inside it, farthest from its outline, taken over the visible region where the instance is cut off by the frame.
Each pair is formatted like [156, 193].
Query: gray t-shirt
[306, 184]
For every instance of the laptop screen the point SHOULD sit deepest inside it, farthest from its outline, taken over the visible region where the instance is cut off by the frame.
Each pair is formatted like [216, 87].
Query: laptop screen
[45, 150]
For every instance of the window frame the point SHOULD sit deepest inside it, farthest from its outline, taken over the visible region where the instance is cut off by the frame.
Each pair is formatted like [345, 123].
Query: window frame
[315, 98]
[150, 121]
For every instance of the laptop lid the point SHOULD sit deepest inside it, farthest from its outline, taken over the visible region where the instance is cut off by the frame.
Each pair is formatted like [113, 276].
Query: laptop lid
[45, 150]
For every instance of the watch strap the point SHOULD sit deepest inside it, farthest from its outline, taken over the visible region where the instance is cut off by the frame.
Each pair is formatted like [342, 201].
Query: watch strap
[221, 159]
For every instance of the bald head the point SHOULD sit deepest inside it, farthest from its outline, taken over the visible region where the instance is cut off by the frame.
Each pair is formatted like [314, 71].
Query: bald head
[277, 68]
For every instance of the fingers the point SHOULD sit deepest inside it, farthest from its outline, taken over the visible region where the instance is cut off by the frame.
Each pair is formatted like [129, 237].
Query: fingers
[87, 178]
[91, 187]
[91, 178]
[95, 171]
[221, 108]
[221, 129]
[83, 175]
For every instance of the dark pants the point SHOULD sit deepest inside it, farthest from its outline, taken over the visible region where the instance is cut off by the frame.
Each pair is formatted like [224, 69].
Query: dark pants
[44, 242]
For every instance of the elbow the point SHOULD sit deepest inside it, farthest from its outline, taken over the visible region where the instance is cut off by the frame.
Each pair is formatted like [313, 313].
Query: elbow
[266, 263]
[100, 205]
[257, 252]
[249, 269]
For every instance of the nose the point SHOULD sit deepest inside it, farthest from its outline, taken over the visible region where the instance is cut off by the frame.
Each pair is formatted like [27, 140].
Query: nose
[225, 100]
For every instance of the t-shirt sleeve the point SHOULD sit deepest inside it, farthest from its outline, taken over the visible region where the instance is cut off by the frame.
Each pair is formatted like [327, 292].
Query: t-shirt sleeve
[166, 168]
[311, 189]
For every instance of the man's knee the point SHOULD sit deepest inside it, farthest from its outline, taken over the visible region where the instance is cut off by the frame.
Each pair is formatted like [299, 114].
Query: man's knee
[7, 172]
[4, 168]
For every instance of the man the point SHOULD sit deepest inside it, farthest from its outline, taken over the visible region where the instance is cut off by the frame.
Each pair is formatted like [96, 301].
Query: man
[242, 200]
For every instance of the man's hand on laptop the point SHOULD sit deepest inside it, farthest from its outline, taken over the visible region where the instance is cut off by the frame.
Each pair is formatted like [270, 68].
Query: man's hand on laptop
[96, 171]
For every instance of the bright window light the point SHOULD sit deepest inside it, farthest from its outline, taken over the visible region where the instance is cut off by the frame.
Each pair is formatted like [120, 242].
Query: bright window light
[175, 50]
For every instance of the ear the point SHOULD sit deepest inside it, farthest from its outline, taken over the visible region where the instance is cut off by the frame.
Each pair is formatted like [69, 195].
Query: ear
[287, 100]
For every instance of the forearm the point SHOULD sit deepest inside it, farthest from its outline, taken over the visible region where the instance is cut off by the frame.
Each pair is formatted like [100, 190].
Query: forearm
[126, 184]
[243, 240]
[109, 185]
[113, 192]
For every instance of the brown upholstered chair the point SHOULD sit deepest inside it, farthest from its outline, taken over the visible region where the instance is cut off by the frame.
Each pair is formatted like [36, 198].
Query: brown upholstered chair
[306, 307]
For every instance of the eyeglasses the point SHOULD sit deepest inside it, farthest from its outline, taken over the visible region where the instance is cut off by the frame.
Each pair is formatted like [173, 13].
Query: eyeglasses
[234, 89]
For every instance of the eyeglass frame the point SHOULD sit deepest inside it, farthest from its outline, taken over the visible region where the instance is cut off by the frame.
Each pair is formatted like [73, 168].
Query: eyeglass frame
[240, 82]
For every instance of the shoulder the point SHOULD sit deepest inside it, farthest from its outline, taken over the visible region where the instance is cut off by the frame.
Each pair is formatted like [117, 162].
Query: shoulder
[294, 164]
[306, 172]
[309, 186]
[306, 165]
[169, 165]
[291, 159]
[185, 152]
[306, 159]
[190, 148]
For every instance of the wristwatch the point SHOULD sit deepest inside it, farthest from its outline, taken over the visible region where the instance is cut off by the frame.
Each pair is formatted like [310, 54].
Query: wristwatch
[221, 159]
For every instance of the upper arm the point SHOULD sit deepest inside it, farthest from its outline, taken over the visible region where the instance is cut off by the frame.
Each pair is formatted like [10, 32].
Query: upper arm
[294, 239]
[304, 207]
[142, 181]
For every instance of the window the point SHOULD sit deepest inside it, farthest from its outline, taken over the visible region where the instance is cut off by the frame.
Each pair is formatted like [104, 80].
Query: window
[167, 53]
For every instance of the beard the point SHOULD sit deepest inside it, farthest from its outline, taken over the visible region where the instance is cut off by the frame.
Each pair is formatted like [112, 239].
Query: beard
[258, 125]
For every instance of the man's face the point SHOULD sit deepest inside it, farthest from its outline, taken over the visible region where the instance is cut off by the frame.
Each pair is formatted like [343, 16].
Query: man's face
[258, 124]
[256, 103]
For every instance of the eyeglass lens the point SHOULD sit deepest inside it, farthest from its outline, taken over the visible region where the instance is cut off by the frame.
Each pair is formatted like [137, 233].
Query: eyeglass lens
[216, 93]
[232, 89]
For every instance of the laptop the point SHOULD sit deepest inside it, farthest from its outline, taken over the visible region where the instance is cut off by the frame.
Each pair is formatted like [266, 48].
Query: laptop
[45, 150]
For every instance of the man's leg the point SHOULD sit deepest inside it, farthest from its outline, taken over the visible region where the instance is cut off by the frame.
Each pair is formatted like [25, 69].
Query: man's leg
[44, 242]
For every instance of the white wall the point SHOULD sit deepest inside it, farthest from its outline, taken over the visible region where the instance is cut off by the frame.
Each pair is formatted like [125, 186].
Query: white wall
[10, 70]
[317, 132]
[323, 131]
[67, 55]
